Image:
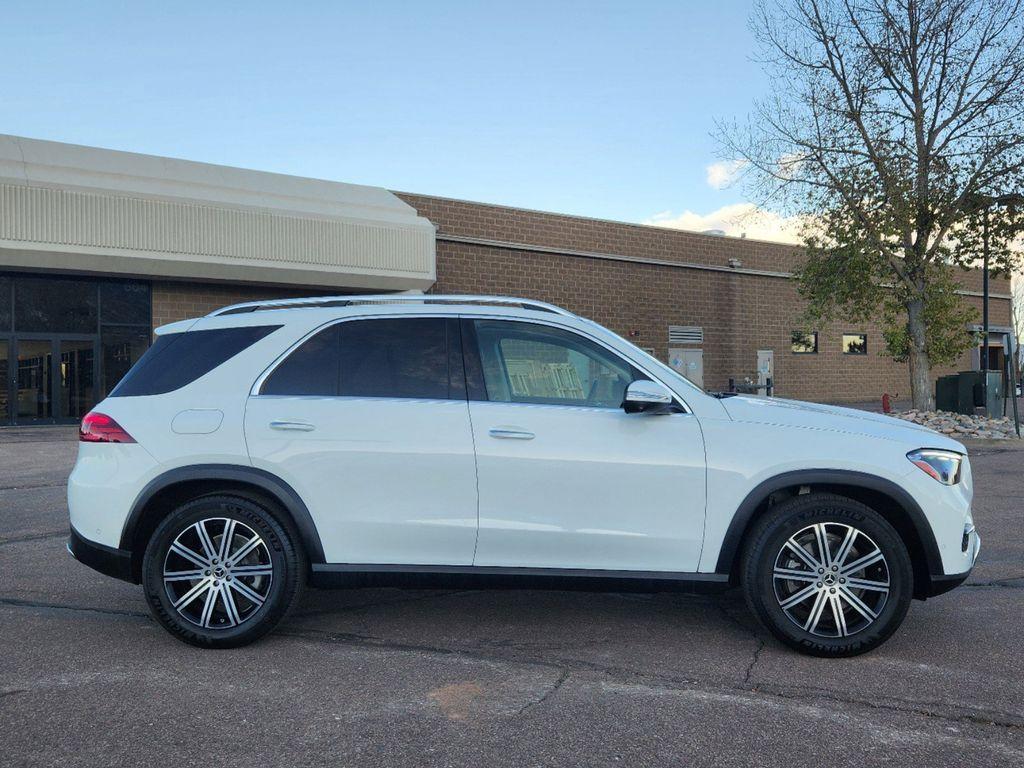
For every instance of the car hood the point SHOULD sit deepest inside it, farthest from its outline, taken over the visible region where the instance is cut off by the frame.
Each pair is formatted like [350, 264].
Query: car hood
[794, 413]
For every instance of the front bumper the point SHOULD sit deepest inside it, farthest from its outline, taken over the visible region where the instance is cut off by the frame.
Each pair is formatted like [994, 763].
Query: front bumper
[99, 557]
[943, 583]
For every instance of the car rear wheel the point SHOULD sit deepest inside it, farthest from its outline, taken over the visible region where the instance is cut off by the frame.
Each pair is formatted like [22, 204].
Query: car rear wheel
[827, 575]
[221, 571]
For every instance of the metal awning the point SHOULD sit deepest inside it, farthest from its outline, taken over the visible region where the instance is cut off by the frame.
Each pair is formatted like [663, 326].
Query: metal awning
[81, 209]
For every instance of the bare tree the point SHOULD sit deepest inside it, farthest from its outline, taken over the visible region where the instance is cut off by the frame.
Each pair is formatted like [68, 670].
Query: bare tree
[891, 127]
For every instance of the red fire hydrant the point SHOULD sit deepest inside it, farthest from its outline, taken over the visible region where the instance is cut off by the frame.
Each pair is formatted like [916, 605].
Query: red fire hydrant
[886, 403]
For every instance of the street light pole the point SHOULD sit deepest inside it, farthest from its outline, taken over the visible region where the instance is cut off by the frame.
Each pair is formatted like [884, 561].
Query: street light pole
[984, 290]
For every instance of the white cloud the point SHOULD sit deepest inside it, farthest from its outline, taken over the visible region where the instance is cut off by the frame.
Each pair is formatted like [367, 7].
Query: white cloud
[724, 173]
[738, 220]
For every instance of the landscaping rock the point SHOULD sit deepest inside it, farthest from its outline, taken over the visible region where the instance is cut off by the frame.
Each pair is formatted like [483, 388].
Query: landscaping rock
[960, 425]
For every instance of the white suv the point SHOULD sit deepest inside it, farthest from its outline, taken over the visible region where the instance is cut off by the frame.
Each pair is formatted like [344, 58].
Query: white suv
[351, 441]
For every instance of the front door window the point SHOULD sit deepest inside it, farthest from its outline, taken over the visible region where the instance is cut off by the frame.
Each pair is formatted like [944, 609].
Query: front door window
[533, 363]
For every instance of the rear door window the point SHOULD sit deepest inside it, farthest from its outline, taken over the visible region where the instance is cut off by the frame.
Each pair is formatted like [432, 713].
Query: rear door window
[178, 359]
[311, 370]
[417, 358]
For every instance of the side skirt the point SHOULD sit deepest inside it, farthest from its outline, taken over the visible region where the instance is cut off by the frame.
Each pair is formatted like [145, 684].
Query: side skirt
[353, 576]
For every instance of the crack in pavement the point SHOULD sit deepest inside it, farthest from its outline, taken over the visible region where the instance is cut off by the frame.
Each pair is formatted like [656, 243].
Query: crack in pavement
[1002, 583]
[547, 694]
[17, 603]
[761, 644]
[982, 717]
[33, 537]
[31, 487]
[753, 663]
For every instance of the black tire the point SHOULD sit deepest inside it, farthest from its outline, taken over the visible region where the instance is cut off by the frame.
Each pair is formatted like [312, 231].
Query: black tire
[279, 551]
[767, 549]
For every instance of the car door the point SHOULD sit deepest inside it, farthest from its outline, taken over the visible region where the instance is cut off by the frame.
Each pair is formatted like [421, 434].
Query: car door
[367, 420]
[566, 478]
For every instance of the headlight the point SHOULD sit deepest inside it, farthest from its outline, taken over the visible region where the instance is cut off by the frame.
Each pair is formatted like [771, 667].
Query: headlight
[944, 466]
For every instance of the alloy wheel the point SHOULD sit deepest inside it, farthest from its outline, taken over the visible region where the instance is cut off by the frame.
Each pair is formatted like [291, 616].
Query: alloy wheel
[218, 573]
[831, 580]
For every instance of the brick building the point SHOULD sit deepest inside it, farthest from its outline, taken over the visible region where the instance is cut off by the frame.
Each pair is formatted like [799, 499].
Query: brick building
[98, 247]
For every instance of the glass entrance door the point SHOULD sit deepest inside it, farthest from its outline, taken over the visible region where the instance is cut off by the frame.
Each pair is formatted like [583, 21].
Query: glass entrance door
[52, 379]
[6, 382]
[33, 399]
[76, 377]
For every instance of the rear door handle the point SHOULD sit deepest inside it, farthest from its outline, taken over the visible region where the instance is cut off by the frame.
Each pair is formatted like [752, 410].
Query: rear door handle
[293, 426]
[510, 433]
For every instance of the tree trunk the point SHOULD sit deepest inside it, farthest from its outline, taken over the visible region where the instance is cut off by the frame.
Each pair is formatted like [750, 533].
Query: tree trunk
[920, 366]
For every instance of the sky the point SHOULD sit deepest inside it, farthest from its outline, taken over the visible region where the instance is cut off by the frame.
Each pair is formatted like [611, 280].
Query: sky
[601, 109]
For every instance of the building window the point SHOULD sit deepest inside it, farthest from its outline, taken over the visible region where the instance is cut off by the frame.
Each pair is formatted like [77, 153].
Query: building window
[855, 343]
[804, 343]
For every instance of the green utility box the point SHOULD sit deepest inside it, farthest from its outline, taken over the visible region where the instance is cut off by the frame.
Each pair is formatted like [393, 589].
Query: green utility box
[947, 395]
[965, 391]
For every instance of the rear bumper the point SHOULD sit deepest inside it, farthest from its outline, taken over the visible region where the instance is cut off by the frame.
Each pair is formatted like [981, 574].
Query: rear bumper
[99, 557]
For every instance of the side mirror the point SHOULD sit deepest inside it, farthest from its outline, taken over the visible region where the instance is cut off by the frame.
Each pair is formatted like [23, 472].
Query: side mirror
[648, 397]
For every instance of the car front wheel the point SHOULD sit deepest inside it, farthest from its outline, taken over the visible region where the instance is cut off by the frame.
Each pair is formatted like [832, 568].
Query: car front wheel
[827, 575]
[221, 571]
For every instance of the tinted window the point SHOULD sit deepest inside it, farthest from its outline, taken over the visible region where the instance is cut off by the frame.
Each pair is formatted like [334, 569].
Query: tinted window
[529, 363]
[855, 344]
[312, 369]
[5, 304]
[125, 303]
[178, 359]
[49, 304]
[403, 357]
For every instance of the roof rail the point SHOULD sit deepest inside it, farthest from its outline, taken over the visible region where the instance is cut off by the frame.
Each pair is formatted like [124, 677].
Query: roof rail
[391, 298]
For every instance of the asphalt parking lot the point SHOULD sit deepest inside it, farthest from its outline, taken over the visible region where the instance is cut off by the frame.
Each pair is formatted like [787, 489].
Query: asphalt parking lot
[471, 678]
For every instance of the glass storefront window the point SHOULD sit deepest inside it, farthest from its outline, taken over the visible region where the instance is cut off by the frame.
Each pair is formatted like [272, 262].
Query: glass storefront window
[124, 303]
[5, 304]
[65, 342]
[45, 304]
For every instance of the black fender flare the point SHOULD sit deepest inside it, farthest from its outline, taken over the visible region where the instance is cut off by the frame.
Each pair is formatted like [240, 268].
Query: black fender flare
[745, 512]
[265, 481]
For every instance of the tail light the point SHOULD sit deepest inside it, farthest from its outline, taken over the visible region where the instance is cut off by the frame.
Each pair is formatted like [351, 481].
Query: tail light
[100, 428]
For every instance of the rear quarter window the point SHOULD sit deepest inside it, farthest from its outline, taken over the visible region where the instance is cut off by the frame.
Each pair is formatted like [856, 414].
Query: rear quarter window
[178, 359]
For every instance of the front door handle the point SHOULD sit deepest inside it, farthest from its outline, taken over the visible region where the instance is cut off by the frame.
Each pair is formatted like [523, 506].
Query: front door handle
[511, 433]
[293, 426]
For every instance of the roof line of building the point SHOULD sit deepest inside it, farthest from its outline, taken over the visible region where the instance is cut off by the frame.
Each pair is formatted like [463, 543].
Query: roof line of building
[617, 222]
[509, 245]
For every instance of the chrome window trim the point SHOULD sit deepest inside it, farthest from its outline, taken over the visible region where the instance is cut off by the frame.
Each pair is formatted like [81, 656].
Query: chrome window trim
[254, 391]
